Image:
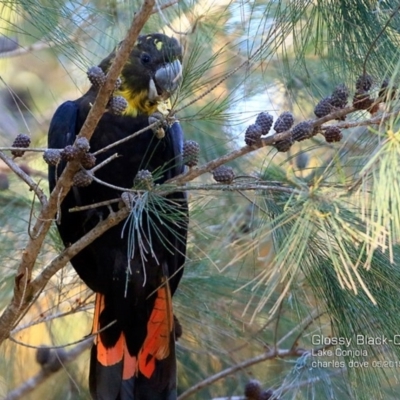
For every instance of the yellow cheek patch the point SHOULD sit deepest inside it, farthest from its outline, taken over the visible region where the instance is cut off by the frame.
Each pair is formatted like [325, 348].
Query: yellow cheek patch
[138, 103]
[158, 44]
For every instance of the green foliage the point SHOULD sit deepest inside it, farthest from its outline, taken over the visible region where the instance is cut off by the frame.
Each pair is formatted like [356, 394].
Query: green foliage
[314, 254]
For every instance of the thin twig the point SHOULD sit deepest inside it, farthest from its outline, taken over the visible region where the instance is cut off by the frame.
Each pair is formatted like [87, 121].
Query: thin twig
[127, 138]
[305, 324]
[236, 187]
[61, 260]
[62, 346]
[161, 191]
[367, 122]
[273, 353]
[105, 162]
[395, 11]
[33, 149]
[73, 310]
[285, 389]
[94, 205]
[111, 186]
[25, 177]
[305, 327]
[164, 6]
[277, 324]
[31, 215]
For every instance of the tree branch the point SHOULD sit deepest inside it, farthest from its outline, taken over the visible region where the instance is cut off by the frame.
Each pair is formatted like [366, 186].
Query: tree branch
[61, 260]
[273, 353]
[23, 289]
[272, 139]
[33, 288]
[287, 388]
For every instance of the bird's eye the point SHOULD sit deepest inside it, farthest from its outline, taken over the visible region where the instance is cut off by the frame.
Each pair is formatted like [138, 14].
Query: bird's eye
[145, 58]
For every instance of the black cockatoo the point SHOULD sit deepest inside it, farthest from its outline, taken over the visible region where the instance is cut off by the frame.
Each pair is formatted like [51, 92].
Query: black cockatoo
[135, 267]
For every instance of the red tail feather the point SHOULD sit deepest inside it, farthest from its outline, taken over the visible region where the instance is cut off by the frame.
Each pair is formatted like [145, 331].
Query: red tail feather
[130, 365]
[159, 327]
[108, 356]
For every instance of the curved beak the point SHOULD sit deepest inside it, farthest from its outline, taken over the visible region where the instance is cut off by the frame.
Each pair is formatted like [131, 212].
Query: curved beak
[166, 80]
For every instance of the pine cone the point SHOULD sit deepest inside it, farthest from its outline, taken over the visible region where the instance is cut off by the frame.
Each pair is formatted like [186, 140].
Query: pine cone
[96, 76]
[253, 134]
[144, 179]
[324, 107]
[302, 131]
[117, 105]
[52, 156]
[284, 145]
[88, 160]
[362, 101]
[252, 390]
[82, 178]
[191, 151]
[69, 153]
[364, 83]
[333, 134]
[223, 174]
[340, 96]
[82, 144]
[264, 120]
[284, 122]
[22, 141]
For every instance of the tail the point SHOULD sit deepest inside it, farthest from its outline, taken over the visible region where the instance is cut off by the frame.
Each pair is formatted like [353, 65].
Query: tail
[119, 373]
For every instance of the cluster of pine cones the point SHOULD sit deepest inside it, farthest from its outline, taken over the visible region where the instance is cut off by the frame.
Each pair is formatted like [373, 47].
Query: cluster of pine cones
[53, 156]
[117, 104]
[78, 152]
[336, 101]
[191, 150]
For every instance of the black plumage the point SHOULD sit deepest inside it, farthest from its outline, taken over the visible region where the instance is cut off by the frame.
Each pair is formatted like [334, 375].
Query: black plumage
[131, 279]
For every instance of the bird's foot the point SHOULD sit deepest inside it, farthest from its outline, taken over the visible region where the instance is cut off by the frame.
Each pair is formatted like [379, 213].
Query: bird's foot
[163, 119]
[161, 124]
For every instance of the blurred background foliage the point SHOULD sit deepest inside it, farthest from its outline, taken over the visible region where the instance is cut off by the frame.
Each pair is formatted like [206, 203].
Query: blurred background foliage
[264, 267]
